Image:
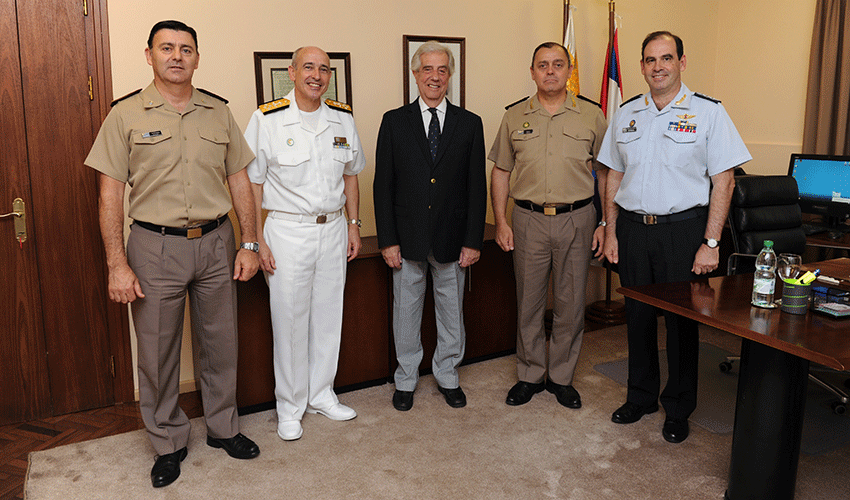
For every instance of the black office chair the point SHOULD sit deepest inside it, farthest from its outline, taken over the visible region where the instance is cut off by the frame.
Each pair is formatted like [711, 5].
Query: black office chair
[766, 208]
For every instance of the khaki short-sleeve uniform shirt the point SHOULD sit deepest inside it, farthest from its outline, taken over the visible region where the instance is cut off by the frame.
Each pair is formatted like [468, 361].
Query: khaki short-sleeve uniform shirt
[175, 163]
[552, 156]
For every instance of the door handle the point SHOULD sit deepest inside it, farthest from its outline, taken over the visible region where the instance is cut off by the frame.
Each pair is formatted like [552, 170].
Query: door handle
[20, 216]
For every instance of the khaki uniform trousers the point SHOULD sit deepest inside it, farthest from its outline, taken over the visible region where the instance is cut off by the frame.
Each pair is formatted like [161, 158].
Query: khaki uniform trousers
[167, 267]
[556, 245]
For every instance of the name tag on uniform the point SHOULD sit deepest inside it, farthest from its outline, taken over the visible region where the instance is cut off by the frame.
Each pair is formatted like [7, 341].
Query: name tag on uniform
[525, 131]
[155, 133]
[341, 143]
[630, 128]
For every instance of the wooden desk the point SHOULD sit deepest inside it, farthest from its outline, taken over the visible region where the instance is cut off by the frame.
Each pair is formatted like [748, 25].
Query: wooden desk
[775, 354]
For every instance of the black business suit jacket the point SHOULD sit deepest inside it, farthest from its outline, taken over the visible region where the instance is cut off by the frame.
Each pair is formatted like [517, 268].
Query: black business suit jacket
[427, 205]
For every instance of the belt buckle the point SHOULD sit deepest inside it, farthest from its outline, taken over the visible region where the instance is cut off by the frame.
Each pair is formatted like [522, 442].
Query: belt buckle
[650, 220]
[194, 232]
[550, 210]
[321, 219]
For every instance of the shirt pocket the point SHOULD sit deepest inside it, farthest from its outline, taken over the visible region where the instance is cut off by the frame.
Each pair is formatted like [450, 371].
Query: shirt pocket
[152, 149]
[679, 148]
[213, 147]
[527, 145]
[291, 167]
[578, 142]
[629, 147]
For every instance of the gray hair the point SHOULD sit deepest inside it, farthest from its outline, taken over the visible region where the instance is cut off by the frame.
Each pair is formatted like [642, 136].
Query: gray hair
[428, 47]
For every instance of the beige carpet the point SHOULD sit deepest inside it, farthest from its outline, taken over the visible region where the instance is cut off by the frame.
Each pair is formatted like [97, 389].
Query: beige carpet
[486, 450]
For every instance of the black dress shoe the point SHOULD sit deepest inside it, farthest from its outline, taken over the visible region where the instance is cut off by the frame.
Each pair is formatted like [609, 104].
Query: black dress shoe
[565, 394]
[630, 413]
[454, 397]
[166, 469]
[522, 392]
[675, 430]
[403, 400]
[237, 447]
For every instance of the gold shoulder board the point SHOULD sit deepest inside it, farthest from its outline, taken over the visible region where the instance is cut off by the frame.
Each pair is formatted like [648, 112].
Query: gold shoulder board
[274, 106]
[338, 105]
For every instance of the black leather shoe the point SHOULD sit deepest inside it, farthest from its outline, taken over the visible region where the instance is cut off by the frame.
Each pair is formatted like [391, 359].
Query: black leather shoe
[402, 400]
[565, 394]
[166, 469]
[675, 430]
[630, 413]
[454, 397]
[237, 447]
[522, 392]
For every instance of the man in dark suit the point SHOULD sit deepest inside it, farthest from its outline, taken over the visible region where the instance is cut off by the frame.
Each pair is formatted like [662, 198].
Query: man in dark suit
[430, 202]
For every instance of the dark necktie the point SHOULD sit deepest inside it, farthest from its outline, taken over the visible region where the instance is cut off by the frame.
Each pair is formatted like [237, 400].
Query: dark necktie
[433, 133]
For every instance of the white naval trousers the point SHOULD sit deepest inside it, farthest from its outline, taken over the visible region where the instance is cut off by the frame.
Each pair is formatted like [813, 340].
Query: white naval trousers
[306, 293]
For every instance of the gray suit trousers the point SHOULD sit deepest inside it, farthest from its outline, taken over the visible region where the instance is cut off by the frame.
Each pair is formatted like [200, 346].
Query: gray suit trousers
[409, 285]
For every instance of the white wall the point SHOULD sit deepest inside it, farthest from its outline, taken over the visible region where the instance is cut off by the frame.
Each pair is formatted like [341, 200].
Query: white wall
[753, 56]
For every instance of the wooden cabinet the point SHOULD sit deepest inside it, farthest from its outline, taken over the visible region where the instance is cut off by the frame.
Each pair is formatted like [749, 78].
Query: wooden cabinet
[367, 356]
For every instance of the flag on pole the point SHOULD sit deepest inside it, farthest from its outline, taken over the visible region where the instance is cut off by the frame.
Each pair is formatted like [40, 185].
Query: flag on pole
[612, 89]
[570, 44]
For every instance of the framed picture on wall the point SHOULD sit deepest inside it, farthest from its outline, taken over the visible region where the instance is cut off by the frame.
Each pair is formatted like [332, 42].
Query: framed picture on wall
[456, 93]
[271, 70]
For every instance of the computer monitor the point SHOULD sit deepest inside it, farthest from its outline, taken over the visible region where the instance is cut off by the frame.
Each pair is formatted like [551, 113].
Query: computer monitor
[824, 185]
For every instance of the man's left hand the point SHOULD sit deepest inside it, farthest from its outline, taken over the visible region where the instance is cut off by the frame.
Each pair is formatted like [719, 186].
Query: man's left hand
[706, 260]
[598, 242]
[246, 265]
[354, 242]
[468, 256]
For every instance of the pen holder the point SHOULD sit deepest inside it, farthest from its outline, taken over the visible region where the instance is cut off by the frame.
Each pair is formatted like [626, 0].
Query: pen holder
[795, 298]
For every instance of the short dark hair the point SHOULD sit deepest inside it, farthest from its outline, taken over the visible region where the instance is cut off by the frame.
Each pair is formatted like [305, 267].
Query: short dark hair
[680, 47]
[172, 25]
[552, 45]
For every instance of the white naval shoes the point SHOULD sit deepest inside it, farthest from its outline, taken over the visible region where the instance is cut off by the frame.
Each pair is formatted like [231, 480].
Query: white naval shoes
[289, 430]
[337, 411]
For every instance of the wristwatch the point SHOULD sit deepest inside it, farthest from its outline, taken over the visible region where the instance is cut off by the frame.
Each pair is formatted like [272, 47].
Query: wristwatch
[355, 221]
[602, 223]
[710, 242]
[252, 246]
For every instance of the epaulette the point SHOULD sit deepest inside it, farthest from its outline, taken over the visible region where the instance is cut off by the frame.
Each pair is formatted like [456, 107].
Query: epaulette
[131, 94]
[339, 105]
[272, 106]
[591, 101]
[715, 101]
[509, 106]
[630, 100]
[207, 92]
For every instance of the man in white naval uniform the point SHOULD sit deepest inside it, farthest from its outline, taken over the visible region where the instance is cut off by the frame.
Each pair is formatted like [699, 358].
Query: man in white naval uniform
[308, 157]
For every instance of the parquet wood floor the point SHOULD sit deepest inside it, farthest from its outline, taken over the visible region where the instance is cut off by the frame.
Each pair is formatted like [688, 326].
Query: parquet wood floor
[17, 440]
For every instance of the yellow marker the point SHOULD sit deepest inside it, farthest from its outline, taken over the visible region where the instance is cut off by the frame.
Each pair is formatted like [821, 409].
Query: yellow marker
[807, 278]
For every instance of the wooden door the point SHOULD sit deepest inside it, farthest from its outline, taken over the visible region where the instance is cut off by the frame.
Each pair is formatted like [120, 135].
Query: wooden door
[58, 334]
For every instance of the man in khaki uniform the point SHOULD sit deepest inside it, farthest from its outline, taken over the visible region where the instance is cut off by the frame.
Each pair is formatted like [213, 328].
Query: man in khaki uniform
[551, 141]
[179, 149]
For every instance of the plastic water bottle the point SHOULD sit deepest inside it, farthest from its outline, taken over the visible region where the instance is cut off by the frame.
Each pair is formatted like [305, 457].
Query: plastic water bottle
[764, 280]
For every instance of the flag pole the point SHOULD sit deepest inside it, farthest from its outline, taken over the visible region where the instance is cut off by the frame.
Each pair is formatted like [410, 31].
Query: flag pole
[566, 19]
[607, 312]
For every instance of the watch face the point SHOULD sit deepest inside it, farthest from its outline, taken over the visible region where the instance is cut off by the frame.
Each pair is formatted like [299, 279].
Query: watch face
[712, 243]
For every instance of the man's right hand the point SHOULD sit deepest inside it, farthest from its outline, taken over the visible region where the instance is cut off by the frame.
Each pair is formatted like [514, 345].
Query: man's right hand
[611, 251]
[124, 287]
[392, 256]
[505, 237]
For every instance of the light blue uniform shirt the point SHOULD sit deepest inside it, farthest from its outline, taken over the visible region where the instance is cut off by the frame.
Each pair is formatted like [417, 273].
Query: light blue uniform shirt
[667, 157]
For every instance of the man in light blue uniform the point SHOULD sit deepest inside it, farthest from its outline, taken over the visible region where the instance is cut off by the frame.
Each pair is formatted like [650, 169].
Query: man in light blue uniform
[671, 154]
